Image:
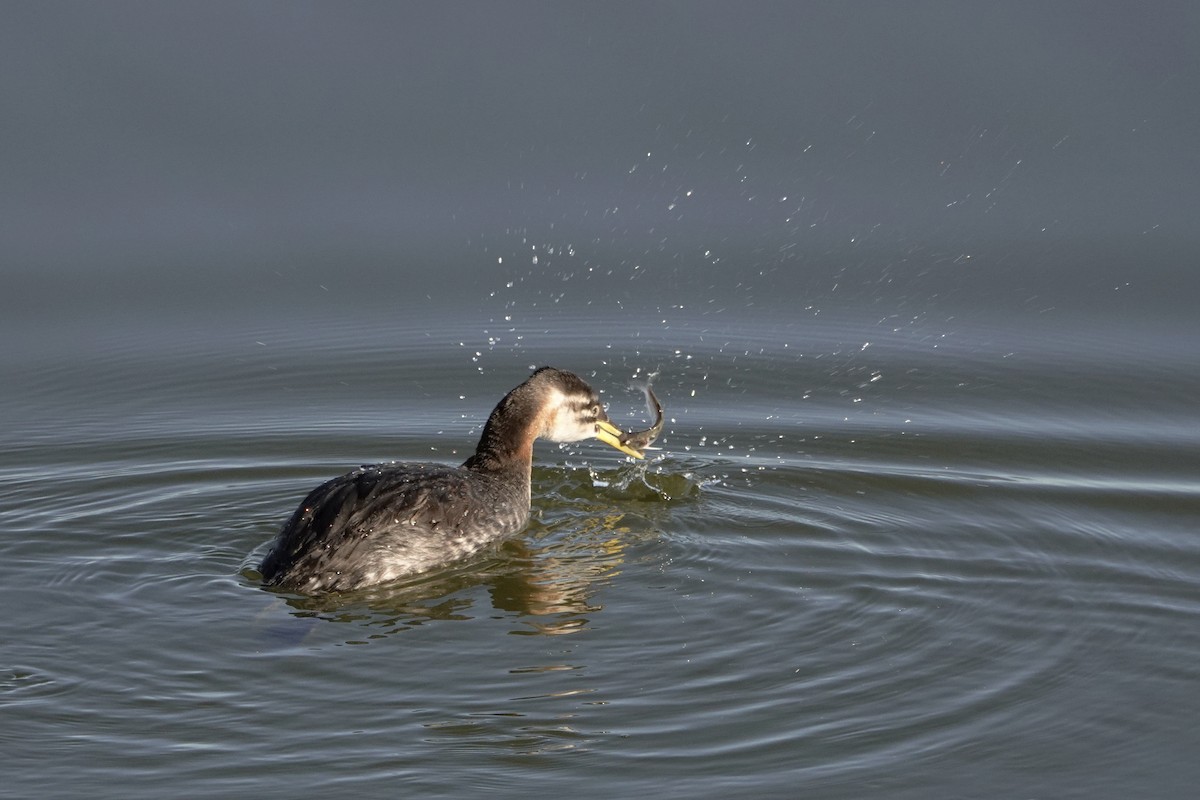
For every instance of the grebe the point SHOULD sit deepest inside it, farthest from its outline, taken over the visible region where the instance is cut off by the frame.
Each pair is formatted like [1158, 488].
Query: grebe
[383, 522]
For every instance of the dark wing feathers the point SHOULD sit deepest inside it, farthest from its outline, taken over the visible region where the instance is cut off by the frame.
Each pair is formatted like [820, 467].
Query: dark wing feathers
[358, 503]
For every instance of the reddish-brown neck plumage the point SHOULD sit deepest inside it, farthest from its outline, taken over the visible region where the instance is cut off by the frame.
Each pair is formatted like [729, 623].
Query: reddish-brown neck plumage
[512, 427]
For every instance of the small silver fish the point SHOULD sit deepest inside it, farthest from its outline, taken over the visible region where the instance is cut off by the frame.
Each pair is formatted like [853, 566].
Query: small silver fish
[640, 440]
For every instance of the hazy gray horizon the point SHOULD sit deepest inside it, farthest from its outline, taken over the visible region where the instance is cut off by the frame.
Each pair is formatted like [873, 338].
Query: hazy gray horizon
[136, 129]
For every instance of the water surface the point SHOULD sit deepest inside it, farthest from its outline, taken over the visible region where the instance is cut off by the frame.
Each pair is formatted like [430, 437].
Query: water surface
[870, 558]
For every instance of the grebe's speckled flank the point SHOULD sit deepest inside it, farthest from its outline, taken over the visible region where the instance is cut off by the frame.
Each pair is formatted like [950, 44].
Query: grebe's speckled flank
[383, 522]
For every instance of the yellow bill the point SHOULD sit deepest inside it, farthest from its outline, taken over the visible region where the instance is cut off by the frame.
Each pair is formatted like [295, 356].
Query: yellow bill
[613, 436]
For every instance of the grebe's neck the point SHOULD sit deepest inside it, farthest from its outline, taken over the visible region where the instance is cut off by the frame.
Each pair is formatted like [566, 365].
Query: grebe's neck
[506, 444]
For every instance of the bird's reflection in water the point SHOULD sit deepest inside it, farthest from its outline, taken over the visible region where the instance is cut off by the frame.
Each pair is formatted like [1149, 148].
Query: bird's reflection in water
[544, 581]
[554, 593]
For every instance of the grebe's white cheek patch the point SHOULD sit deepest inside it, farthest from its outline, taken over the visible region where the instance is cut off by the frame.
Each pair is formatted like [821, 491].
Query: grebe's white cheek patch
[567, 418]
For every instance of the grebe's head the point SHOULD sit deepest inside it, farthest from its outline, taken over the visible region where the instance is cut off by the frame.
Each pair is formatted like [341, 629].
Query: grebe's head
[571, 411]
